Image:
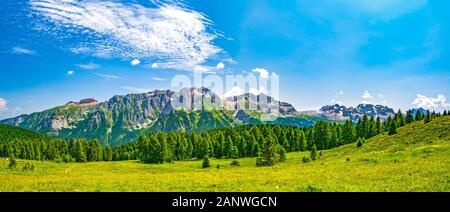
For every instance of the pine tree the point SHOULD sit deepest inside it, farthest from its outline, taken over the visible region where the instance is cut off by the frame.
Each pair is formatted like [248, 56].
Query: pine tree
[234, 152]
[255, 148]
[409, 117]
[419, 115]
[445, 113]
[107, 153]
[427, 117]
[281, 153]
[400, 119]
[359, 143]
[392, 127]
[80, 152]
[313, 152]
[268, 155]
[206, 163]
[348, 132]
[302, 142]
[322, 135]
[227, 146]
[12, 163]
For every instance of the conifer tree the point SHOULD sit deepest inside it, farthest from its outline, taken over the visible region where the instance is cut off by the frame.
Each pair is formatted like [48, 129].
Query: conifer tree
[419, 115]
[281, 153]
[359, 143]
[427, 117]
[392, 127]
[80, 152]
[313, 152]
[409, 117]
[268, 155]
[107, 154]
[206, 163]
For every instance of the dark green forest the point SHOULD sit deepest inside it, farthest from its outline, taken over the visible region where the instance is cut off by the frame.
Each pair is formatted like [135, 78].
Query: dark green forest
[269, 143]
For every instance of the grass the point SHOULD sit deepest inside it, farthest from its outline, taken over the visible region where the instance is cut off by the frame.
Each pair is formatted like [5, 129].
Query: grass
[416, 159]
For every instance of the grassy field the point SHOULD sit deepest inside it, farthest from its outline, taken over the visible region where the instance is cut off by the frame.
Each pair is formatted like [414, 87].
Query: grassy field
[416, 159]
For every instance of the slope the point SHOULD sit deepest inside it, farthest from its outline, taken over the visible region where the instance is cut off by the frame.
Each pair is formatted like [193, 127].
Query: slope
[416, 159]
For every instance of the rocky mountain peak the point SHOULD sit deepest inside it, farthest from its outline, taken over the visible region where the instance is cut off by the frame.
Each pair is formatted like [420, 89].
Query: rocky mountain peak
[83, 102]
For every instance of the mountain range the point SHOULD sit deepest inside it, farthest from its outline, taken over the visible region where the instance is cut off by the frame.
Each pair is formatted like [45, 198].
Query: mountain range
[122, 119]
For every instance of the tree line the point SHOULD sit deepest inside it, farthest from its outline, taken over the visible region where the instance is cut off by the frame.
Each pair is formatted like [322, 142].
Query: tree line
[269, 143]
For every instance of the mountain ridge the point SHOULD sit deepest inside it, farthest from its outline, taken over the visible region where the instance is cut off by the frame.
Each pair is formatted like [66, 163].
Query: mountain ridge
[122, 118]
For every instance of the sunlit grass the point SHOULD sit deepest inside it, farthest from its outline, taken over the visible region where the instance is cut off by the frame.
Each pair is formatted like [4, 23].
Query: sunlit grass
[416, 159]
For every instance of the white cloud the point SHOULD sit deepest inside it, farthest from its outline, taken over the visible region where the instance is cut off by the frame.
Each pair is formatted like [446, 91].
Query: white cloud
[430, 102]
[107, 76]
[167, 32]
[70, 72]
[88, 66]
[262, 72]
[155, 65]
[231, 61]
[136, 90]
[341, 92]
[158, 79]
[3, 104]
[380, 95]
[220, 65]
[237, 91]
[366, 97]
[21, 50]
[334, 101]
[135, 62]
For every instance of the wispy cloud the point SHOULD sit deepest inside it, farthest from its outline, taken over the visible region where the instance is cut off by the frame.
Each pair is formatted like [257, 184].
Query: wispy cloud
[136, 90]
[70, 72]
[174, 36]
[21, 50]
[430, 102]
[262, 72]
[3, 104]
[220, 66]
[158, 79]
[367, 97]
[88, 66]
[107, 76]
[135, 62]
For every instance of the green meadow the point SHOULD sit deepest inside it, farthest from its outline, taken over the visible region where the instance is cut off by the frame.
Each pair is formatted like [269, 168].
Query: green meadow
[417, 158]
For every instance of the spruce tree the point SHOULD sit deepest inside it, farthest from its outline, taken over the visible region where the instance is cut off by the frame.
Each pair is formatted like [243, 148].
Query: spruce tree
[107, 155]
[409, 117]
[302, 142]
[80, 152]
[12, 163]
[392, 127]
[206, 163]
[427, 117]
[419, 115]
[313, 152]
[281, 153]
[234, 152]
[359, 143]
[268, 155]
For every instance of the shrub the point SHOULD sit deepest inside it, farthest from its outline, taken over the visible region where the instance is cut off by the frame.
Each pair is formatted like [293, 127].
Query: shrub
[235, 163]
[12, 163]
[206, 163]
[281, 153]
[360, 143]
[28, 166]
[305, 159]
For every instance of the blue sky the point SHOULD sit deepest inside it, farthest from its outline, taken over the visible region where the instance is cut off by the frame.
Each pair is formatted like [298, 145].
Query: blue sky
[391, 52]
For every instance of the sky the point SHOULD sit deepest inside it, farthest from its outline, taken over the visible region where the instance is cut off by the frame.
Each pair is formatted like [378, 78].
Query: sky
[389, 52]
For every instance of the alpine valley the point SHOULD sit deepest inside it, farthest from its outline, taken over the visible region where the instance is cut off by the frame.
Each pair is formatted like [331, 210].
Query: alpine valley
[122, 119]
